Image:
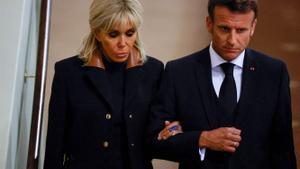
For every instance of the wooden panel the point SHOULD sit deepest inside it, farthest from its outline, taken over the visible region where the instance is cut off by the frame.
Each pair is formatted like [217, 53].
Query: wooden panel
[32, 162]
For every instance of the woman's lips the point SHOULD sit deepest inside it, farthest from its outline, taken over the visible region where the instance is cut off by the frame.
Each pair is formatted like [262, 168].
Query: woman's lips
[122, 54]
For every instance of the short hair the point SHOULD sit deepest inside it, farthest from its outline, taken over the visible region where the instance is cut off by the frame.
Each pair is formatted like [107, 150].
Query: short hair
[104, 16]
[241, 6]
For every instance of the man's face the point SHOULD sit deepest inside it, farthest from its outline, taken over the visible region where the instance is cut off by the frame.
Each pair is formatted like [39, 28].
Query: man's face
[231, 31]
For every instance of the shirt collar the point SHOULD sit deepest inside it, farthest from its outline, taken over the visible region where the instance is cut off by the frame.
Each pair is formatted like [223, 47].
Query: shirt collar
[216, 59]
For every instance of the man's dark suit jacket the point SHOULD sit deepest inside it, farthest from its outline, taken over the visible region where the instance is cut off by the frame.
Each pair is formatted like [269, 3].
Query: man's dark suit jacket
[263, 114]
[81, 115]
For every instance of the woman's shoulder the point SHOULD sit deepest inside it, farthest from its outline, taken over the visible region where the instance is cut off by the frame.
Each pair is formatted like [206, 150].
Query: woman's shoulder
[153, 62]
[71, 61]
[153, 67]
[71, 65]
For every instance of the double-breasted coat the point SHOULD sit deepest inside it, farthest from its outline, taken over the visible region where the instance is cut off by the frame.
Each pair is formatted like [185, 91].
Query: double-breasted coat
[81, 114]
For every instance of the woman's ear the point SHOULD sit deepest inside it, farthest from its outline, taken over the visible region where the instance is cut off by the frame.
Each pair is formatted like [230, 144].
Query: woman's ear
[97, 35]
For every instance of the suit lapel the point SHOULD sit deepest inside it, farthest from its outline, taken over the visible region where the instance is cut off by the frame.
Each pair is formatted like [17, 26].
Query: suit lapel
[98, 79]
[249, 88]
[204, 80]
[133, 80]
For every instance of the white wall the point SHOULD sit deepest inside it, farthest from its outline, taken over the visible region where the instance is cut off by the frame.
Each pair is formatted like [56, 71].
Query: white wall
[11, 66]
[15, 17]
[174, 28]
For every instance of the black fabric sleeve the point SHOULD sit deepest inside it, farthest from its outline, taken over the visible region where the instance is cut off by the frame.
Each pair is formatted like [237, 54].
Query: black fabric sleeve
[54, 155]
[283, 155]
[181, 146]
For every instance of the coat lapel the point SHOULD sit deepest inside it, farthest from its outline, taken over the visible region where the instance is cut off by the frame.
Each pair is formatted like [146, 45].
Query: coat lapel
[249, 88]
[133, 80]
[204, 80]
[95, 72]
[133, 77]
[98, 79]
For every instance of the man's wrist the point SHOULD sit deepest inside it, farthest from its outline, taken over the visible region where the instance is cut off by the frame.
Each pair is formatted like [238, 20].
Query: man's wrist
[202, 140]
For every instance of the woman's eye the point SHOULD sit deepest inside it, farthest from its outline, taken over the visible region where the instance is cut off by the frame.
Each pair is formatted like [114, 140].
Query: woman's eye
[130, 33]
[113, 34]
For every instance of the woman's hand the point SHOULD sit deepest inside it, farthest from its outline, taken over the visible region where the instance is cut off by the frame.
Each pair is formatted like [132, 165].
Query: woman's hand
[171, 129]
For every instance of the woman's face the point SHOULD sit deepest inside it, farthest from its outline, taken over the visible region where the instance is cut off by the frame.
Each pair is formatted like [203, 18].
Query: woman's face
[118, 42]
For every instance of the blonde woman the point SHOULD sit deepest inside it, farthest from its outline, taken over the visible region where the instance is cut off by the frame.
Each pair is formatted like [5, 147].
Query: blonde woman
[100, 100]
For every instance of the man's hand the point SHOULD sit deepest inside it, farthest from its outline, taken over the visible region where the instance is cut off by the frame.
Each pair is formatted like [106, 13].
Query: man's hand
[221, 139]
[171, 129]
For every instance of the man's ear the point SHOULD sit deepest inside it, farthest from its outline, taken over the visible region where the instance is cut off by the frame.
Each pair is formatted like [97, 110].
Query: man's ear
[253, 27]
[209, 24]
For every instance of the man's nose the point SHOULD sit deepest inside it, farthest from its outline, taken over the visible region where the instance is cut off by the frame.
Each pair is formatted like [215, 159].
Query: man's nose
[232, 38]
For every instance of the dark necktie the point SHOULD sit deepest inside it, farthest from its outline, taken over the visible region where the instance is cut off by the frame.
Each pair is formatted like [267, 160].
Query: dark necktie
[227, 95]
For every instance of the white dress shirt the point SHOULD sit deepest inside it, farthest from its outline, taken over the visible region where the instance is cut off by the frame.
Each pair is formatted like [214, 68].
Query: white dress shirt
[218, 77]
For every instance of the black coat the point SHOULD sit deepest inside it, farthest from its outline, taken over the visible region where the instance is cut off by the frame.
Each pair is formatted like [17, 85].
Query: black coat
[263, 113]
[81, 115]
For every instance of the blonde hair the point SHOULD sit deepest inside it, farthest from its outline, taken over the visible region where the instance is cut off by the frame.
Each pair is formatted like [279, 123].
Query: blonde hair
[107, 14]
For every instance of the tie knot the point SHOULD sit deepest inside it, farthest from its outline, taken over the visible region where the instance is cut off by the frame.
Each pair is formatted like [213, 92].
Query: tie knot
[227, 68]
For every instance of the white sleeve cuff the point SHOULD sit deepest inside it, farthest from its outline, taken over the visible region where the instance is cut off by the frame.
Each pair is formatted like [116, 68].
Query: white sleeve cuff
[202, 153]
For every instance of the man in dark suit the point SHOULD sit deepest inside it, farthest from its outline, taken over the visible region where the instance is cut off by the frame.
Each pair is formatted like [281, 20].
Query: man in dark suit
[233, 103]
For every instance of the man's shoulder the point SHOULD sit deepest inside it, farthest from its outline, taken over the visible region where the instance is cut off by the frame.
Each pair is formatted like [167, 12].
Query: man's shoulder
[264, 59]
[191, 59]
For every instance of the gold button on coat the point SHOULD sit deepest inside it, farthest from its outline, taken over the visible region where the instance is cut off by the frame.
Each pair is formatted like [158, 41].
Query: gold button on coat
[108, 116]
[105, 144]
